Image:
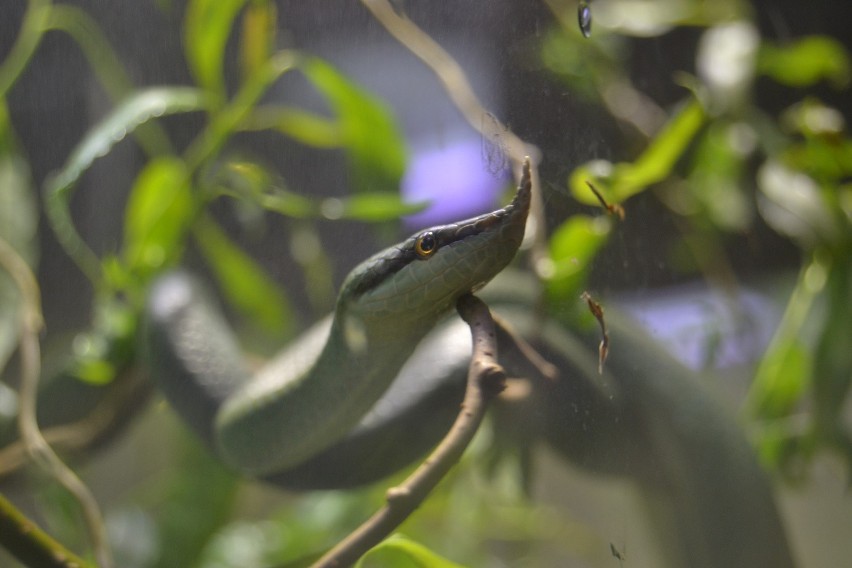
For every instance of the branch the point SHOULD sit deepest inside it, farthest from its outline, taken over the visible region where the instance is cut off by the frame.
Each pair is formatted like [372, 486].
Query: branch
[37, 447]
[484, 381]
[31, 545]
[126, 396]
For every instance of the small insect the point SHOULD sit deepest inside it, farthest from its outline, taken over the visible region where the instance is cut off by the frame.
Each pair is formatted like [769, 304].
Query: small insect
[613, 208]
[584, 18]
[598, 312]
[494, 152]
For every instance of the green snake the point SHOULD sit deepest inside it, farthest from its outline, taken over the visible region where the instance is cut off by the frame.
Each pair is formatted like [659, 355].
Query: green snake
[387, 304]
[328, 412]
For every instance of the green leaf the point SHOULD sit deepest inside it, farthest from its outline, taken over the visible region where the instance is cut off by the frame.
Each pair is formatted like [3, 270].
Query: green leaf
[207, 28]
[374, 144]
[794, 205]
[654, 165]
[228, 120]
[401, 552]
[124, 119]
[109, 346]
[572, 247]
[158, 213]
[370, 207]
[257, 39]
[244, 283]
[303, 126]
[714, 181]
[806, 62]
[781, 379]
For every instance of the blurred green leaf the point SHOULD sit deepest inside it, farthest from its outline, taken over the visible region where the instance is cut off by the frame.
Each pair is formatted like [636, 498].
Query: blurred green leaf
[714, 181]
[257, 39]
[401, 552]
[782, 378]
[793, 205]
[124, 119]
[572, 247]
[196, 499]
[374, 144]
[157, 217]
[251, 182]
[806, 62]
[654, 165]
[303, 126]
[225, 122]
[244, 283]
[137, 109]
[370, 207]
[786, 368]
[208, 25]
[101, 353]
[832, 354]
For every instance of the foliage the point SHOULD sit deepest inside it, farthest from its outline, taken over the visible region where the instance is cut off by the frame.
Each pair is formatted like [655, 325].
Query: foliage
[700, 164]
[699, 160]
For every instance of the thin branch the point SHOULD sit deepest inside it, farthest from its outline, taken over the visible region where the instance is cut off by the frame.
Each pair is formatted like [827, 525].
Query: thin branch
[126, 395]
[39, 450]
[484, 381]
[31, 545]
[541, 365]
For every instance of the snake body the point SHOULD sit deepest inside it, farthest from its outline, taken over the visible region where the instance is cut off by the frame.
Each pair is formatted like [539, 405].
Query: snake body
[645, 419]
[326, 382]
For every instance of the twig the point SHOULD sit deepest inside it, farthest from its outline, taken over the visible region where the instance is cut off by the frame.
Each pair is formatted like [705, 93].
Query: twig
[597, 310]
[541, 365]
[31, 545]
[39, 450]
[484, 381]
[126, 394]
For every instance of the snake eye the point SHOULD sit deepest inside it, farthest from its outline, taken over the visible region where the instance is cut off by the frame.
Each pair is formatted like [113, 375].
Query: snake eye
[425, 245]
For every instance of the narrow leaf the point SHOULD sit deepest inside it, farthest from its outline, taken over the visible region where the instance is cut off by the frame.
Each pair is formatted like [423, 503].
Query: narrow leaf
[400, 551]
[258, 35]
[124, 119]
[654, 165]
[244, 283]
[157, 216]
[372, 139]
[573, 246]
[208, 26]
[806, 62]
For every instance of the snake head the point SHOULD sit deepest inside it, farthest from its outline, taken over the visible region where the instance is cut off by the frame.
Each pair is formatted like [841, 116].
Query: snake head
[420, 279]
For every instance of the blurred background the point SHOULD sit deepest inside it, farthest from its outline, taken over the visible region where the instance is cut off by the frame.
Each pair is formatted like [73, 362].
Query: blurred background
[720, 127]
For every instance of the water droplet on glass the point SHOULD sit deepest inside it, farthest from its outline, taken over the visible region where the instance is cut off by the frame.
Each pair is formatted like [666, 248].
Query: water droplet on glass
[584, 18]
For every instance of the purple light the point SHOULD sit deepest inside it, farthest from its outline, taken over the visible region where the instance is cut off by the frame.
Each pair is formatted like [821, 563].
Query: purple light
[453, 179]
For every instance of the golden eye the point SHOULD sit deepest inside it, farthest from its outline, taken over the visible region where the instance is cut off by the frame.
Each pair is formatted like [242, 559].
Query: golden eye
[425, 245]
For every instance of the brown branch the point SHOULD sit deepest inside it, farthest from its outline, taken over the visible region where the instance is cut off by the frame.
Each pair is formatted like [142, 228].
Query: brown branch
[31, 545]
[529, 353]
[30, 353]
[127, 395]
[484, 381]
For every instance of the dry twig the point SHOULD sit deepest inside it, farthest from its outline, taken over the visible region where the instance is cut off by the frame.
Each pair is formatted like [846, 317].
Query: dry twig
[485, 380]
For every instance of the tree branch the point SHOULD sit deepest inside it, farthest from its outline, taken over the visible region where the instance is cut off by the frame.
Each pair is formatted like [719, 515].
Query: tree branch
[485, 380]
[31, 545]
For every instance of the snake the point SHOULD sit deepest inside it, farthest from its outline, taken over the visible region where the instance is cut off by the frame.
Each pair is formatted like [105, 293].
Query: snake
[370, 389]
[374, 386]
[323, 385]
